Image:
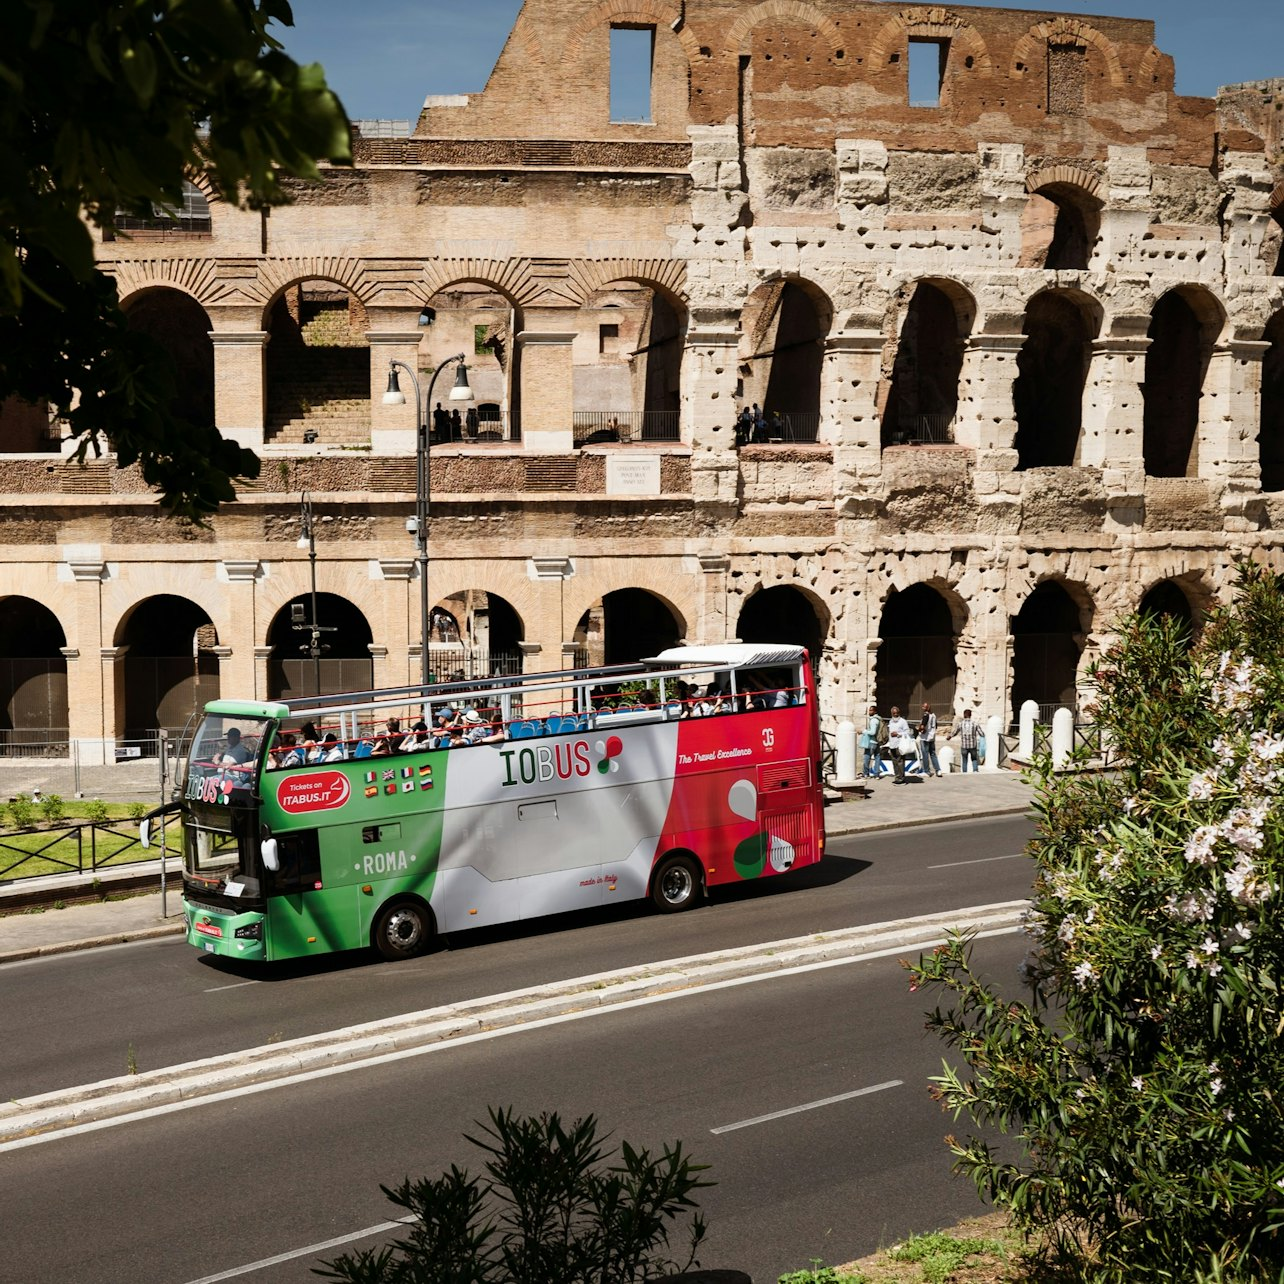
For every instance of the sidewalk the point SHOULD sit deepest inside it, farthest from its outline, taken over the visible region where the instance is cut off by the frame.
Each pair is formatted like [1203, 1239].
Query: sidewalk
[30, 934]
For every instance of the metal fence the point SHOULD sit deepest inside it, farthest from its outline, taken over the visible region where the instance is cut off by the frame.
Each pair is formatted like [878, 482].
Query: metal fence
[457, 663]
[923, 430]
[35, 742]
[779, 426]
[594, 427]
[82, 848]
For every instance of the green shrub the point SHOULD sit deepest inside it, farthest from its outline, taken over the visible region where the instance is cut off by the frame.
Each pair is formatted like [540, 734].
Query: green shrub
[52, 808]
[1143, 1075]
[818, 1274]
[552, 1206]
[939, 1254]
[22, 812]
[95, 811]
[137, 810]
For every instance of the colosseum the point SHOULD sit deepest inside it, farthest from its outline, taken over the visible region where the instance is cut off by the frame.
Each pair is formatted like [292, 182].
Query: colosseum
[934, 339]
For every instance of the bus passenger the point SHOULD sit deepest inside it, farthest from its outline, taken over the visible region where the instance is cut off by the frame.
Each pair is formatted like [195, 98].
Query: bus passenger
[331, 749]
[234, 752]
[416, 739]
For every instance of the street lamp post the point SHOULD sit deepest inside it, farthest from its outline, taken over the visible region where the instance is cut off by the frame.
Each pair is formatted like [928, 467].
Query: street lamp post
[308, 540]
[395, 397]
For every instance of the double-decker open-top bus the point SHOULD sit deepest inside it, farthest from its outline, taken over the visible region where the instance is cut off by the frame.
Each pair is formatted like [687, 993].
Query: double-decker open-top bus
[332, 823]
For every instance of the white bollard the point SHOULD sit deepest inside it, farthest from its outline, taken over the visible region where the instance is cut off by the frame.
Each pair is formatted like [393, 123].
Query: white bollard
[946, 755]
[1062, 737]
[845, 773]
[1028, 716]
[993, 730]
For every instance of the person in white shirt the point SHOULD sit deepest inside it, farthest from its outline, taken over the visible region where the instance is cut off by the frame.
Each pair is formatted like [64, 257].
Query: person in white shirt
[901, 744]
[927, 758]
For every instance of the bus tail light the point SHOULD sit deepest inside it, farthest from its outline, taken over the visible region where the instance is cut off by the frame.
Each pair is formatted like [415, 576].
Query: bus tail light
[250, 932]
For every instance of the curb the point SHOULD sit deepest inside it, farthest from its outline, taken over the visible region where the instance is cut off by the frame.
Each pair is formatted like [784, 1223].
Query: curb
[35, 1116]
[91, 942]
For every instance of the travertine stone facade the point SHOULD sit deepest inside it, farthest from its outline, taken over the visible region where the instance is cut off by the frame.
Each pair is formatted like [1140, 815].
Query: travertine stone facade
[1019, 354]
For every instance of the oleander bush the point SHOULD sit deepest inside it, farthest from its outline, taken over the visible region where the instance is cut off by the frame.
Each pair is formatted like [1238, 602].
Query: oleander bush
[554, 1205]
[1144, 1075]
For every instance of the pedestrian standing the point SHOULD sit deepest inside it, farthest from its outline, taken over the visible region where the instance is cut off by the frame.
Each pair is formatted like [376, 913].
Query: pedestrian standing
[927, 758]
[969, 740]
[900, 744]
[869, 742]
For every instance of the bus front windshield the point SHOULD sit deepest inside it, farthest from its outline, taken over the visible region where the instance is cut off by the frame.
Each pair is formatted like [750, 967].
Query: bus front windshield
[224, 760]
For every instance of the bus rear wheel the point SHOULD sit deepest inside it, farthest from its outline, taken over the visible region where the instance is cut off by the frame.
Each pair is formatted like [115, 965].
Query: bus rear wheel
[675, 885]
[402, 930]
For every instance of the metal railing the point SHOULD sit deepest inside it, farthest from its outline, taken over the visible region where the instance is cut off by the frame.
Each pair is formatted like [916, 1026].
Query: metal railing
[777, 426]
[1088, 738]
[593, 427]
[458, 663]
[35, 742]
[923, 430]
[492, 426]
[76, 848]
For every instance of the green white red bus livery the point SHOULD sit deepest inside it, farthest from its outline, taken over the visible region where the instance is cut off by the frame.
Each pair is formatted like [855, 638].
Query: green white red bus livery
[382, 818]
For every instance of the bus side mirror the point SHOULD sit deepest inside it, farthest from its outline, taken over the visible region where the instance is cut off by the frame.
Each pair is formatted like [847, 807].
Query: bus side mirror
[271, 858]
[145, 833]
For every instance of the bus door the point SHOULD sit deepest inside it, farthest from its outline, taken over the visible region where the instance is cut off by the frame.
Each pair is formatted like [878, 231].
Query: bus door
[786, 797]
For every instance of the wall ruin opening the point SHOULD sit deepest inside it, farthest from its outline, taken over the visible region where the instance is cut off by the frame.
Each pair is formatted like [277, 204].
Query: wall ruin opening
[1052, 369]
[916, 663]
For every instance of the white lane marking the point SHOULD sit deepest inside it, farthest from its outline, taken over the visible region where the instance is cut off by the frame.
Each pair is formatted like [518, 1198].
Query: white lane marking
[980, 860]
[250, 1267]
[404, 1054]
[218, 989]
[810, 1105]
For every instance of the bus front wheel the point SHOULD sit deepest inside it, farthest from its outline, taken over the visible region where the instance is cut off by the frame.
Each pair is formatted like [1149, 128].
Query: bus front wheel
[675, 886]
[402, 930]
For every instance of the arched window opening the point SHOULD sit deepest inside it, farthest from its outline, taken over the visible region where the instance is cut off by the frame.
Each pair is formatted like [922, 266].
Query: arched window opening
[1166, 599]
[475, 318]
[1047, 640]
[1181, 344]
[916, 664]
[33, 680]
[474, 634]
[1059, 228]
[318, 367]
[923, 397]
[1271, 437]
[345, 663]
[170, 668]
[1052, 369]
[623, 626]
[181, 326]
[782, 615]
[628, 378]
[783, 349]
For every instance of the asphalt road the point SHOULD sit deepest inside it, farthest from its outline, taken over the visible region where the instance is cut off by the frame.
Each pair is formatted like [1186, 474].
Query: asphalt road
[91, 1016]
[223, 1185]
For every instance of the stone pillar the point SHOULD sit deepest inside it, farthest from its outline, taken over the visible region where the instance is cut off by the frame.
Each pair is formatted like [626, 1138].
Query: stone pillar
[393, 428]
[112, 659]
[395, 664]
[531, 653]
[240, 385]
[547, 390]
[86, 701]
[1113, 410]
[849, 394]
[262, 654]
[710, 379]
[237, 673]
[986, 420]
[1230, 415]
[713, 626]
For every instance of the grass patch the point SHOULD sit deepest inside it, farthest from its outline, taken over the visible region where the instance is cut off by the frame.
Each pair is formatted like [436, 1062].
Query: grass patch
[29, 853]
[981, 1250]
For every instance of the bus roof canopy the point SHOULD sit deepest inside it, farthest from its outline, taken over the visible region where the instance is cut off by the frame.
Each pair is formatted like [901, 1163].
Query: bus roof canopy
[248, 708]
[739, 654]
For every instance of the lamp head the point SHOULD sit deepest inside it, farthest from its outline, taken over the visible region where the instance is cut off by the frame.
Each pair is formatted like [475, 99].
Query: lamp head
[393, 396]
[461, 391]
[304, 541]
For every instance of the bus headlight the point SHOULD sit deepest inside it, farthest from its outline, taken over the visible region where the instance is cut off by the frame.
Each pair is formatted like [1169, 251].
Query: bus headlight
[250, 932]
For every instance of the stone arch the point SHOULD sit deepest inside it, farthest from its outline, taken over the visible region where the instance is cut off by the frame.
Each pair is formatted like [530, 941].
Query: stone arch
[33, 675]
[1033, 46]
[176, 321]
[916, 662]
[345, 664]
[1271, 432]
[1185, 324]
[1052, 372]
[784, 323]
[170, 667]
[1156, 67]
[474, 633]
[923, 392]
[665, 276]
[783, 11]
[514, 278]
[1061, 220]
[1168, 597]
[627, 624]
[195, 277]
[279, 275]
[1049, 633]
[645, 13]
[786, 613]
[934, 23]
